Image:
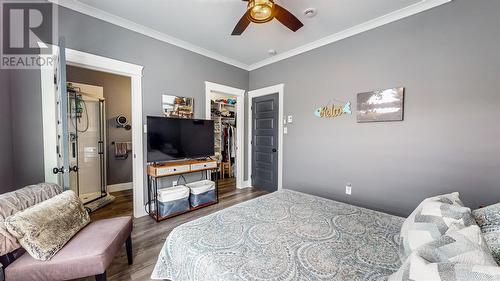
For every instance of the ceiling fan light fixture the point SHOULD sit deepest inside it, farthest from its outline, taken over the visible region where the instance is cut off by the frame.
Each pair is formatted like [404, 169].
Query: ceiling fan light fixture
[261, 11]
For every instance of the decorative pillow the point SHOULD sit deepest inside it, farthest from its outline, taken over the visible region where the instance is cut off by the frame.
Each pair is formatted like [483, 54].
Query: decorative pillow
[431, 219]
[421, 270]
[488, 219]
[16, 201]
[461, 255]
[45, 228]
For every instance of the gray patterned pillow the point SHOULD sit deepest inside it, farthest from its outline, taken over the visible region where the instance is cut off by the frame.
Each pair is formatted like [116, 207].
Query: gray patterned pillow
[431, 219]
[45, 228]
[459, 255]
[488, 219]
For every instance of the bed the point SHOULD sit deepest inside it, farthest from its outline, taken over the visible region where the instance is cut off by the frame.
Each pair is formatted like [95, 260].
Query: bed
[285, 235]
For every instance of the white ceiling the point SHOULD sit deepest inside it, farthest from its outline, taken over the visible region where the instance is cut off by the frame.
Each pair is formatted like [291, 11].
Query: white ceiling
[204, 26]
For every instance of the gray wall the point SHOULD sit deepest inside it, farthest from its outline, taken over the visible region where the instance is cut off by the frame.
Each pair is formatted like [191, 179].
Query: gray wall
[6, 167]
[448, 59]
[167, 69]
[117, 92]
[27, 128]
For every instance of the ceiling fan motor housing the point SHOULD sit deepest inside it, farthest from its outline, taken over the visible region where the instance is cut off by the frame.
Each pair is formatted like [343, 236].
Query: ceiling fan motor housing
[260, 11]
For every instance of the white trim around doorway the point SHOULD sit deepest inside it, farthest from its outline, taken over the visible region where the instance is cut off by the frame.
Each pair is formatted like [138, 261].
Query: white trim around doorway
[104, 64]
[280, 90]
[210, 88]
[120, 187]
[94, 62]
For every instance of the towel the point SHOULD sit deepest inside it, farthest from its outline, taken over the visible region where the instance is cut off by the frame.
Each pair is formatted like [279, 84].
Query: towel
[122, 149]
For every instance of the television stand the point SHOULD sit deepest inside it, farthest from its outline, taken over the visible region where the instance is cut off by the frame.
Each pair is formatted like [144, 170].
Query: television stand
[157, 171]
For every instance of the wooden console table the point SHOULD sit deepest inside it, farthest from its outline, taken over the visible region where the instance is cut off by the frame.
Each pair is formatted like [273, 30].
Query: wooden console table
[178, 168]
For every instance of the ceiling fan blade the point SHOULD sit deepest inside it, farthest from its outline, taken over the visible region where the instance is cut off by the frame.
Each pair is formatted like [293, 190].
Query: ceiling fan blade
[287, 18]
[241, 25]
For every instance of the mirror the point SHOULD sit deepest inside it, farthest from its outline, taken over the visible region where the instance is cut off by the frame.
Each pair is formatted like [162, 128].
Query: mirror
[178, 107]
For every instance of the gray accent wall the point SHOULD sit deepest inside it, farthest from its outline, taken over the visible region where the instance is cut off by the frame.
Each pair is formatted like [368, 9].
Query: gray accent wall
[448, 58]
[118, 95]
[6, 167]
[167, 69]
[27, 130]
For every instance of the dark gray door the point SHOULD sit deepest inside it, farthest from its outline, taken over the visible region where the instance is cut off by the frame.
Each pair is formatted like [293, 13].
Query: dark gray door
[265, 142]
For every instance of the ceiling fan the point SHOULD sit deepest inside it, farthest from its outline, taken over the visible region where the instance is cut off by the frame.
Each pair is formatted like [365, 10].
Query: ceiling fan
[262, 11]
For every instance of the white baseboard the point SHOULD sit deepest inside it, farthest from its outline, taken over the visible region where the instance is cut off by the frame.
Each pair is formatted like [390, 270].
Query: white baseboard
[246, 184]
[120, 187]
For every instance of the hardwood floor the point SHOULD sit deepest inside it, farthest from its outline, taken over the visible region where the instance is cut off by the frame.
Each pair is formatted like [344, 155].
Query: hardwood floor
[122, 206]
[148, 236]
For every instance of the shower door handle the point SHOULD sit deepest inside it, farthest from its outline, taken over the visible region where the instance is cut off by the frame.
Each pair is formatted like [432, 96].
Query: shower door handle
[73, 149]
[100, 147]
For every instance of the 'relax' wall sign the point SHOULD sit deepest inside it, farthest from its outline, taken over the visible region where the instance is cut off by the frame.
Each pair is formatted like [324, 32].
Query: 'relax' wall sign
[332, 110]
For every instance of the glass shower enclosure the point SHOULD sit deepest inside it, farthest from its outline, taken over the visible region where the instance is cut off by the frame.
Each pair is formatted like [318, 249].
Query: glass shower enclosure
[86, 123]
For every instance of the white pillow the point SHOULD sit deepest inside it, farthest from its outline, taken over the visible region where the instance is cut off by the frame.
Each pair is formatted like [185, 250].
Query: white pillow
[431, 219]
[460, 255]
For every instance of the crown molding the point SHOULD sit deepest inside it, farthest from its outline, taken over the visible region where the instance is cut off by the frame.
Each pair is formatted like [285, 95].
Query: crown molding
[416, 8]
[150, 32]
[411, 10]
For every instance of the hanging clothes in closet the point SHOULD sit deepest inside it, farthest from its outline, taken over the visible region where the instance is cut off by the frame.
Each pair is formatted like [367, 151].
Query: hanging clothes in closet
[228, 146]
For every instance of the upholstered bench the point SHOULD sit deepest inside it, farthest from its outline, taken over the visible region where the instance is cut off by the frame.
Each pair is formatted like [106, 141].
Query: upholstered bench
[88, 253]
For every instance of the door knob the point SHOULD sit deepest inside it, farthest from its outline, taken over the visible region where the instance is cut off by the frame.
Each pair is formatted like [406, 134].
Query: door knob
[274, 150]
[58, 170]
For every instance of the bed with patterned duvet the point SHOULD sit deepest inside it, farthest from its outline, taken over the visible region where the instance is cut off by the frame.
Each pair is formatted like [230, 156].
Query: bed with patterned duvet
[285, 235]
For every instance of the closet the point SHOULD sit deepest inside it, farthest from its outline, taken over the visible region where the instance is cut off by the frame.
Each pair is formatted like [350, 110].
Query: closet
[223, 112]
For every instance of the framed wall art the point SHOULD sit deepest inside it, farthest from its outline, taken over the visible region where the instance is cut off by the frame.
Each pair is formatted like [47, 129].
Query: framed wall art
[381, 105]
[177, 107]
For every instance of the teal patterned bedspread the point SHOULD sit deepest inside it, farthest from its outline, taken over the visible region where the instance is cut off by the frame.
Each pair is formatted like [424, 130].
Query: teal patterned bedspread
[285, 235]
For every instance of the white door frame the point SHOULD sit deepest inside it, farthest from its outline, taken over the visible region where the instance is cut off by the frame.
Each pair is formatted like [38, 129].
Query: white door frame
[280, 90]
[210, 88]
[99, 63]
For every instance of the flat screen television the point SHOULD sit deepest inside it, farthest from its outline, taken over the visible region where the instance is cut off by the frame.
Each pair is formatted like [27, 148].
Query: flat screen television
[171, 139]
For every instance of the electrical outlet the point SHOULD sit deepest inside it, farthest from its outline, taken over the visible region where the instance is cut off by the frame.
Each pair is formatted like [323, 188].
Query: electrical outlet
[348, 189]
[290, 119]
[174, 183]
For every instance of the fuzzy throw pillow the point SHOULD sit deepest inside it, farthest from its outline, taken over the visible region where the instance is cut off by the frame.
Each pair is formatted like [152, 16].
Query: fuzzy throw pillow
[44, 229]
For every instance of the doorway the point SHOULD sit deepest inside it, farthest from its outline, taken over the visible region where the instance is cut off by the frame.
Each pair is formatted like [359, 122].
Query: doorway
[225, 105]
[87, 133]
[264, 142]
[103, 141]
[53, 88]
[265, 138]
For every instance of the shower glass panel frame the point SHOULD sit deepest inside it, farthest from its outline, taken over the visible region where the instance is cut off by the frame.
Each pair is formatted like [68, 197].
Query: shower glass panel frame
[86, 137]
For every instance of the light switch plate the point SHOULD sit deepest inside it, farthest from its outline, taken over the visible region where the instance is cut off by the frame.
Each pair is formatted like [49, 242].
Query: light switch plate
[285, 130]
[145, 128]
[290, 119]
